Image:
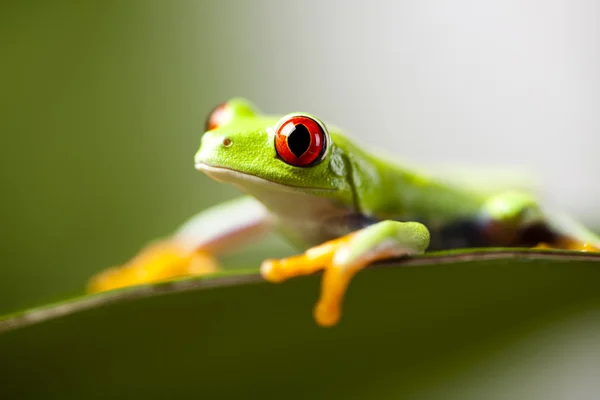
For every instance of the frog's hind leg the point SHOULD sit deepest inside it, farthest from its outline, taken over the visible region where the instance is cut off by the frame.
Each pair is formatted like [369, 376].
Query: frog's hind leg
[192, 249]
[342, 258]
[568, 234]
[515, 219]
[159, 261]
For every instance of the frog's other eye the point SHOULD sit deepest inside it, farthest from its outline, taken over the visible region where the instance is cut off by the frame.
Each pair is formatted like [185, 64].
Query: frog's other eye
[219, 116]
[301, 140]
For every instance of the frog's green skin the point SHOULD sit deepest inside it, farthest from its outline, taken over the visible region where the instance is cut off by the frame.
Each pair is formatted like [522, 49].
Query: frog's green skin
[349, 190]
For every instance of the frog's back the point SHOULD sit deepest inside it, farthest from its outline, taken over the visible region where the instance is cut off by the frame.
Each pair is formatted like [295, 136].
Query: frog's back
[387, 190]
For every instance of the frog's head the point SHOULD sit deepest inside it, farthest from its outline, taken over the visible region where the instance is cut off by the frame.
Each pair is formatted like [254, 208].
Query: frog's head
[260, 153]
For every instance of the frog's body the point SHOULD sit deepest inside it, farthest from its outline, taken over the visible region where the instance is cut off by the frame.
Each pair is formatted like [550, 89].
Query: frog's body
[350, 196]
[347, 206]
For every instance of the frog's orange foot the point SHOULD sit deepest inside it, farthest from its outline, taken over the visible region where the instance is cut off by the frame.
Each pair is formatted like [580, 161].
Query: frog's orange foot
[335, 280]
[342, 258]
[568, 244]
[158, 262]
[578, 246]
[332, 258]
[589, 247]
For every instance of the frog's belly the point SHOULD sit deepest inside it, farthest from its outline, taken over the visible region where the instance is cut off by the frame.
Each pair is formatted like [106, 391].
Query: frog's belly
[306, 220]
[305, 228]
[308, 232]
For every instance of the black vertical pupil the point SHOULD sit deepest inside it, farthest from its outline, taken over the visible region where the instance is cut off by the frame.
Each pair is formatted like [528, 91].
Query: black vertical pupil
[299, 140]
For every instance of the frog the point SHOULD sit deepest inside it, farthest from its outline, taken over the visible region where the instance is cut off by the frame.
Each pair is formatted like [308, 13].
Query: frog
[343, 206]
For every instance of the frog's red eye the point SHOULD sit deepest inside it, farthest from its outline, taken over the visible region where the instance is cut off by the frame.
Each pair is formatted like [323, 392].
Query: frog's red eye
[301, 140]
[219, 116]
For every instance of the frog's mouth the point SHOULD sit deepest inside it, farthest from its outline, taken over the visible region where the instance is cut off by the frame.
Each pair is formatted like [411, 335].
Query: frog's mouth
[237, 178]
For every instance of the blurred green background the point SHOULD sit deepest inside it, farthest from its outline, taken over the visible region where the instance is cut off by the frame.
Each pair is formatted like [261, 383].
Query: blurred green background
[103, 103]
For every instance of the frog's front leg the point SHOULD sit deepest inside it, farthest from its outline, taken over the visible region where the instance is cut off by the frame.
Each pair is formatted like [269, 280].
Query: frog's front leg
[342, 258]
[191, 250]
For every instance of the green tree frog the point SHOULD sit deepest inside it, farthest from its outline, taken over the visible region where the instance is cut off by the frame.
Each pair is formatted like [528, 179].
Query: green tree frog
[344, 206]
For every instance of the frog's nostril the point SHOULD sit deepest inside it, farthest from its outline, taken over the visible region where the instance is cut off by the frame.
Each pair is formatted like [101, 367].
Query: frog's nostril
[227, 142]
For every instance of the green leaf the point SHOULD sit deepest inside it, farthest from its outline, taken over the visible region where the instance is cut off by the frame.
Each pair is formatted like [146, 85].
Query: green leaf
[461, 325]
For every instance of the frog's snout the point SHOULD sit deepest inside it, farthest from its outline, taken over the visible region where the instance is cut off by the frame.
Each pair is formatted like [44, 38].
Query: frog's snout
[211, 148]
